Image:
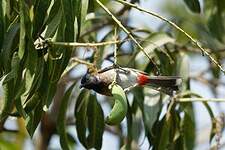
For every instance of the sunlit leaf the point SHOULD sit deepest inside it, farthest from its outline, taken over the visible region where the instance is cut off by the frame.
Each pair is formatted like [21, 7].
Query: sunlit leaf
[119, 109]
[7, 145]
[23, 21]
[84, 9]
[183, 70]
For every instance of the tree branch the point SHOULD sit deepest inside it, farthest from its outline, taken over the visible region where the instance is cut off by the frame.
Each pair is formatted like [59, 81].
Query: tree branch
[127, 32]
[200, 100]
[204, 51]
[75, 44]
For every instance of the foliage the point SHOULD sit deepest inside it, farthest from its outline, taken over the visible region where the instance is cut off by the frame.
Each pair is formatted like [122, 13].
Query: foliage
[40, 50]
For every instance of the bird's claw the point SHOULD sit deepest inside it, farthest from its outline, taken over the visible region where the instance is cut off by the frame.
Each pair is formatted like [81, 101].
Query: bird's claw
[130, 87]
[116, 66]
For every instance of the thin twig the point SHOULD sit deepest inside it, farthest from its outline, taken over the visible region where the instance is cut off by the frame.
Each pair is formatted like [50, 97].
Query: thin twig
[200, 100]
[115, 59]
[177, 27]
[80, 61]
[127, 32]
[75, 44]
[115, 48]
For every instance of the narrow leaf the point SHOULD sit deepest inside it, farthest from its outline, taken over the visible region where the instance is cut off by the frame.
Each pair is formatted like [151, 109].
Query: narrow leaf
[22, 43]
[8, 88]
[34, 116]
[81, 116]
[154, 41]
[7, 48]
[61, 120]
[95, 123]
[164, 137]
[193, 5]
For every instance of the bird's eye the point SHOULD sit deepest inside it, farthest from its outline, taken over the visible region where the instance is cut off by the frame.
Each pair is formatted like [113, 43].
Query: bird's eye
[86, 78]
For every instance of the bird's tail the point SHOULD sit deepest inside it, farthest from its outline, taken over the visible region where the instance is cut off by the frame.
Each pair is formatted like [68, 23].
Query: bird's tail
[166, 84]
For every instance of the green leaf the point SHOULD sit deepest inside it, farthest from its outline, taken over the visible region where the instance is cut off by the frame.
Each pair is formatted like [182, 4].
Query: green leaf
[164, 137]
[152, 107]
[213, 122]
[7, 145]
[129, 128]
[32, 103]
[193, 5]
[69, 67]
[188, 127]
[68, 14]
[2, 26]
[7, 47]
[183, 69]
[23, 21]
[32, 70]
[217, 26]
[81, 116]
[34, 116]
[154, 41]
[50, 93]
[95, 123]
[61, 120]
[53, 20]
[119, 109]
[19, 107]
[71, 140]
[38, 76]
[9, 87]
[139, 97]
[40, 11]
[166, 62]
[84, 9]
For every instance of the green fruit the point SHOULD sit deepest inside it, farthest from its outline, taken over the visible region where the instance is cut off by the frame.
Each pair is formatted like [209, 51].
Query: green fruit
[119, 109]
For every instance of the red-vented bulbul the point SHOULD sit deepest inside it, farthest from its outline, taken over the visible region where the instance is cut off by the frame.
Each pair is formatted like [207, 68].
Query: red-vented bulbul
[128, 78]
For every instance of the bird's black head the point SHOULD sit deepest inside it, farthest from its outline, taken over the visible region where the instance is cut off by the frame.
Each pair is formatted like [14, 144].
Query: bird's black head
[88, 81]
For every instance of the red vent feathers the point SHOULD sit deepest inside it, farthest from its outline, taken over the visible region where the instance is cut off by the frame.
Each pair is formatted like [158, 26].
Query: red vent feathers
[142, 79]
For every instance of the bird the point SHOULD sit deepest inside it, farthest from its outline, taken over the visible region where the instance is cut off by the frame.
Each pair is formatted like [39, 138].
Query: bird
[128, 78]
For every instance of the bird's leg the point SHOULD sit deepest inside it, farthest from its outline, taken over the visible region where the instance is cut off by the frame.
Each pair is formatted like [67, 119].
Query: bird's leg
[130, 87]
[116, 66]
